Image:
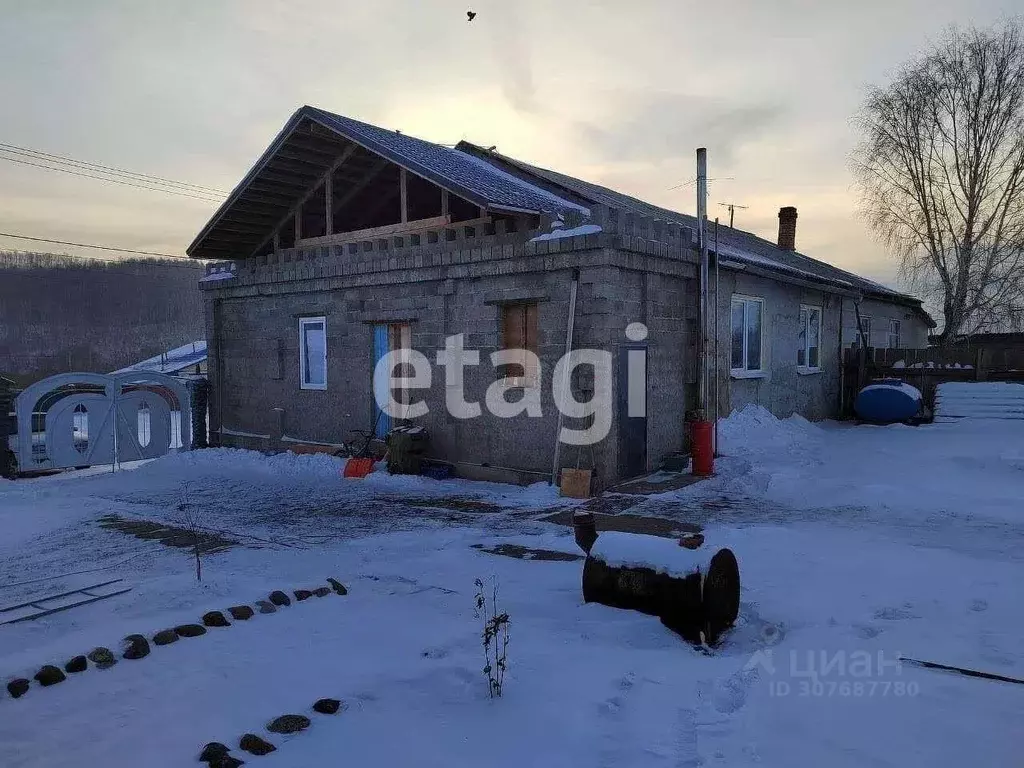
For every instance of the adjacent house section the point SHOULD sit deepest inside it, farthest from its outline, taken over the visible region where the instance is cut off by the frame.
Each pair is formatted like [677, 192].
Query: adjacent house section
[349, 242]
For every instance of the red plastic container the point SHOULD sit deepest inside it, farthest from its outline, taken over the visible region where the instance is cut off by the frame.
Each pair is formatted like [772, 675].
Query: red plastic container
[358, 468]
[701, 433]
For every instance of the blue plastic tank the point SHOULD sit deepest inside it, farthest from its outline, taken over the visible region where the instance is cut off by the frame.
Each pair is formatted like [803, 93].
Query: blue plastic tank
[888, 401]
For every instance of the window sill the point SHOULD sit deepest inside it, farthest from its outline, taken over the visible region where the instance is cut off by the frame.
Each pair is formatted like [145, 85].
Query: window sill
[743, 374]
[805, 371]
[519, 382]
[314, 387]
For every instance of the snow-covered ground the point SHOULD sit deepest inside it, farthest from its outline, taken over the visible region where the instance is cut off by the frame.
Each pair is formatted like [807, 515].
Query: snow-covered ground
[856, 545]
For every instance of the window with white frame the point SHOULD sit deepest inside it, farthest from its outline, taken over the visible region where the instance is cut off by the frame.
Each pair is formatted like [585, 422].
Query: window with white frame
[747, 314]
[808, 352]
[864, 331]
[894, 334]
[313, 352]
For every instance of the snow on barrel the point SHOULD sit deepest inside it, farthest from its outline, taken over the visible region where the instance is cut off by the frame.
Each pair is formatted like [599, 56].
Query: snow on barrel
[888, 401]
[695, 592]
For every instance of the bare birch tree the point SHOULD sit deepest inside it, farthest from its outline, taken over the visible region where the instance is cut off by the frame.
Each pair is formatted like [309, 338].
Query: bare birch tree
[941, 173]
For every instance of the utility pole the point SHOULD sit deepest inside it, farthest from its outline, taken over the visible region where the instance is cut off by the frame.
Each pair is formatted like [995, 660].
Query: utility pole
[702, 242]
[732, 210]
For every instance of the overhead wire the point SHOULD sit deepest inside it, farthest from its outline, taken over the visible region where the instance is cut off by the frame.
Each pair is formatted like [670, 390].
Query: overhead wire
[87, 245]
[112, 180]
[66, 160]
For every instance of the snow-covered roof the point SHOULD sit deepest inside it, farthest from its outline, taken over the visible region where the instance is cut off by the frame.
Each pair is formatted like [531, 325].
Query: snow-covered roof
[172, 361]
[739, 245]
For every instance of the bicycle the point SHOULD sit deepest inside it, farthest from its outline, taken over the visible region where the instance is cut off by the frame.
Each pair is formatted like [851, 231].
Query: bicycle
[358, 447]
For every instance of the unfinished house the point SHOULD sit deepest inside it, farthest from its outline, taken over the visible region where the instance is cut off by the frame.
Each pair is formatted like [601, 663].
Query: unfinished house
[346, 241]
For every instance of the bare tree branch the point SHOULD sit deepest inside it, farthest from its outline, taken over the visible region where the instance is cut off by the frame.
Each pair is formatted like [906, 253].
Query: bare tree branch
[941, 174]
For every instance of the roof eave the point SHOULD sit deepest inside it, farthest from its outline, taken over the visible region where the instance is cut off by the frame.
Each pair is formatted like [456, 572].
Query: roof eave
[268, 154]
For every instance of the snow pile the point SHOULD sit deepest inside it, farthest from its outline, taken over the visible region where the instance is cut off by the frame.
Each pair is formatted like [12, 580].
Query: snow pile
[232, 460]
[558, 234]
[903, 387]
[634, 550]
[754, 430]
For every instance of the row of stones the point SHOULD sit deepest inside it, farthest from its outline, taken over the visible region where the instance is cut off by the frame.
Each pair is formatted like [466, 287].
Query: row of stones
[218, 755]
[137, 646]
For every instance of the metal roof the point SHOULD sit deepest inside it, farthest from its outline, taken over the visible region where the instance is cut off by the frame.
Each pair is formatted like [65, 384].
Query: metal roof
[313, 141]
[738, 242]
[172, 361]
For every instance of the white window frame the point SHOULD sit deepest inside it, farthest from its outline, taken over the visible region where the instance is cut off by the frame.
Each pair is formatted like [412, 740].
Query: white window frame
[888, 338]
[807, 367]
[744, 372]
[303, 322]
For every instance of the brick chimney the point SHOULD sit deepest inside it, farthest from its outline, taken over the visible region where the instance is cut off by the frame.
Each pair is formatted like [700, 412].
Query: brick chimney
[787, 228]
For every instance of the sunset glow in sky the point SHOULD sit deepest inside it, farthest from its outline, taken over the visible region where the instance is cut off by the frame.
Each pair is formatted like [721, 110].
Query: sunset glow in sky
[616, 93]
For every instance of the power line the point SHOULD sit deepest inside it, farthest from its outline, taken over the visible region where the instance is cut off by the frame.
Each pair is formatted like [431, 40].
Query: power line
[86, 245]
[693, 181]
[112, 181]
[64, 159]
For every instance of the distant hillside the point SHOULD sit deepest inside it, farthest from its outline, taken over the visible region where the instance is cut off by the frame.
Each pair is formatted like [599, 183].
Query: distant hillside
[63, 313]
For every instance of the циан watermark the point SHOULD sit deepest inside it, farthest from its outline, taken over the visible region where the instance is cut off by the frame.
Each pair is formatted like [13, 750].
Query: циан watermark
[832, 674]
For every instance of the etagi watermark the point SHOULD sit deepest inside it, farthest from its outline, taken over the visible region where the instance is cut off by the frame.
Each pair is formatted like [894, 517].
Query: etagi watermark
[417, 373]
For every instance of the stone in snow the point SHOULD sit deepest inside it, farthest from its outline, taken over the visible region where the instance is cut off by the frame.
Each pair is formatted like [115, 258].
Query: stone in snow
[277, 597]
[135, 647]
[18, 687]
[254, 745]
[102, 657]
[212, 750]
[338, 587]
[289, 724]
[50, 675]
[327, 706]
[77, 664]
[302, 594]
[240, 612]
[165, 637]
[215, 619]
[265, 607]
[190, 630]
[322, 591]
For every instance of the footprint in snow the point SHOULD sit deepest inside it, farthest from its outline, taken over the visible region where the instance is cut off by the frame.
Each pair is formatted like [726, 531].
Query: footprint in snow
[895, 614]
[866, 631]
[730, 694]
[978, 605]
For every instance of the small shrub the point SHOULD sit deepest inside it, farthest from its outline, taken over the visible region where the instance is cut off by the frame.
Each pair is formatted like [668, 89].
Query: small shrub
[190, 518]
[494, 636]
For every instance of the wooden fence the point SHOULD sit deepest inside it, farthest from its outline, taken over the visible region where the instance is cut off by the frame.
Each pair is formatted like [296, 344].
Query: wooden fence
[926, 368]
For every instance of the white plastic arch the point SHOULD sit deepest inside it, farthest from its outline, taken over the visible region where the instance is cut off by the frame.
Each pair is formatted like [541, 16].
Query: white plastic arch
[85, 428]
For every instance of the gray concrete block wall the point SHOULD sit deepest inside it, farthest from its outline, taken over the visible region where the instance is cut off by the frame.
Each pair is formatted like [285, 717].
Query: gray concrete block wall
[256, 375]
[783, 390]
[913, 328]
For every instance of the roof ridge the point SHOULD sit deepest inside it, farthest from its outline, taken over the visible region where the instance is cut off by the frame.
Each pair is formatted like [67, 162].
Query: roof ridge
[547, 174]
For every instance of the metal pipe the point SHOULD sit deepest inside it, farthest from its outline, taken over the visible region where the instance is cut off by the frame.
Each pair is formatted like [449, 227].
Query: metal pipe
[715, 314]
[702, 241]
[564, 383]
[842, 360]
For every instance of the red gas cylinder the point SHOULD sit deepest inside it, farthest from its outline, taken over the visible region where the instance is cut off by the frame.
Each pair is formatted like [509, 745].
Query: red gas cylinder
[703, 454]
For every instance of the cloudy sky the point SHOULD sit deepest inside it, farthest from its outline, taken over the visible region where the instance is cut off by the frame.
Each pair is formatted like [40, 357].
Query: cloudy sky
[616, 92]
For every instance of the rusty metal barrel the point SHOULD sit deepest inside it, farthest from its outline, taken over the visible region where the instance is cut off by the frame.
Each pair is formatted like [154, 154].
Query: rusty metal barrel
[695, 592]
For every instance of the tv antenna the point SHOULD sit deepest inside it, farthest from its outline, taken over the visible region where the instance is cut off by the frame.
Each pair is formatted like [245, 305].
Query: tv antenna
[732, 210]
